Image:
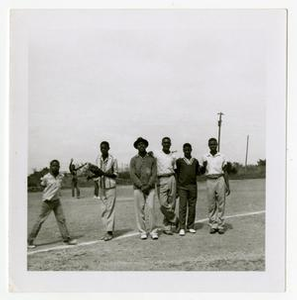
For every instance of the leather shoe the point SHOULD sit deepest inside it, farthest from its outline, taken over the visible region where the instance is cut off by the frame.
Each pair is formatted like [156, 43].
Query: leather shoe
[212, 230]
[108, 237]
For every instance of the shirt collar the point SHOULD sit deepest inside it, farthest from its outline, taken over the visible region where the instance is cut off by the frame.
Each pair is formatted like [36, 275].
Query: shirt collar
[107, 159]
[141, 156]
[217, 154]
[58, 176]
[188, 161]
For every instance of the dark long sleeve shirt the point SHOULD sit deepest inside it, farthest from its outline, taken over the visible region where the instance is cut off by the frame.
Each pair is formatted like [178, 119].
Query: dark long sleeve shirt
[143, 171]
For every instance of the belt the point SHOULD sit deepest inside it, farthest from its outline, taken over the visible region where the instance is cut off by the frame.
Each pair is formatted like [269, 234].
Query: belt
[51, 200]
[165, 175]
[215, 176]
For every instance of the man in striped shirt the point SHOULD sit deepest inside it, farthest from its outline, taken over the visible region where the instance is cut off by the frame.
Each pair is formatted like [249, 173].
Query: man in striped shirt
[107, 188]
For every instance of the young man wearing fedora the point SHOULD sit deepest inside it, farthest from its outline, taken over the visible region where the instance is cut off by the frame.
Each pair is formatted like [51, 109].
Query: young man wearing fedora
[143, 172]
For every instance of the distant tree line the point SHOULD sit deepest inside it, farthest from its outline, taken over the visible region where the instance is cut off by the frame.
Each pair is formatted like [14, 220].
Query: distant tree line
[235, 170]
[239, 171]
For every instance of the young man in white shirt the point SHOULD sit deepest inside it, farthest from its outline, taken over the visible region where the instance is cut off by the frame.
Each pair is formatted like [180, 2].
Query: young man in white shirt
[217, 182]
[166, 185]
[52, 183]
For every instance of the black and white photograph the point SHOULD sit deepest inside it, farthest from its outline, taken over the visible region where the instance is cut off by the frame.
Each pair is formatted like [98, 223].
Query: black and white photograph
[146, 137]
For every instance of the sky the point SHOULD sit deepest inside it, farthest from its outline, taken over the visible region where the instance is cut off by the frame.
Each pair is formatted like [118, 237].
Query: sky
[118, 75]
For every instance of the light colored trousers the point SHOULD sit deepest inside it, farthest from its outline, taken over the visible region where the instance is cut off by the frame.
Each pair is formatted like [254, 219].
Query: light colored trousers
[108, 199]
[141, 201]
[216, 195]
[46, 208]
[166, 188]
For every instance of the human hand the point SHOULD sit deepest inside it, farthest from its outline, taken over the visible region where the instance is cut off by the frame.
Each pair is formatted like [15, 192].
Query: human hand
[145, 189]
[44, 171]
[151, 153]
[228, 191]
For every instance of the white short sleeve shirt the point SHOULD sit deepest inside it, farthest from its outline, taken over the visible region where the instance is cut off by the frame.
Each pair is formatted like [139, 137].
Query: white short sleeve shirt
[166, 163]
[215, 163]
[52, 186]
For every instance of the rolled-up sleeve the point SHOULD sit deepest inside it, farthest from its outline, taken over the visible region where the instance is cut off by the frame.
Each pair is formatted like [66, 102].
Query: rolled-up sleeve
[224, 161]
[224, 164]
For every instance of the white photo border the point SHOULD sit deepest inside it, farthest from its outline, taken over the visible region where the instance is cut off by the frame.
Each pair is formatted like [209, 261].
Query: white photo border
[277, 111]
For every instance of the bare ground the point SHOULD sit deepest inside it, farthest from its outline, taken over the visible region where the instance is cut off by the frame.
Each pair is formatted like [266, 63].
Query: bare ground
[241, 248]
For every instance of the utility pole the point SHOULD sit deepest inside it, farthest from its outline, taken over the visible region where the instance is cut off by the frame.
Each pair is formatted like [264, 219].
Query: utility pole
[219, 133]
[246, 151]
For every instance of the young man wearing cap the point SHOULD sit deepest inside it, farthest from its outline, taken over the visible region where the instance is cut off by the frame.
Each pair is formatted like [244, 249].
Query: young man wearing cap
[166, 185]
[107, 188]
[143, 172]
[187, 170]
[217, 182]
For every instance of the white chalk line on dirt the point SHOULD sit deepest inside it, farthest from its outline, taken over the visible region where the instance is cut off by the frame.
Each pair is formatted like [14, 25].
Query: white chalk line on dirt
[118, 199]
[62, 247]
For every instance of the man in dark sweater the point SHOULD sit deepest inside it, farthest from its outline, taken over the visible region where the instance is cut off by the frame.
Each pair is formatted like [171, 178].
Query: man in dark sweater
[187, 169]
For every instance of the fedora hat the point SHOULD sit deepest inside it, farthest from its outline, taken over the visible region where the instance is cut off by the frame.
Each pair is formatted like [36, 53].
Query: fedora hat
[140, 139]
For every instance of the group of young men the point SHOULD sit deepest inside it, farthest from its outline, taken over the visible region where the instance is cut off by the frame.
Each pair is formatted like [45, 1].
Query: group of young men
[151, 172]
[177, 177]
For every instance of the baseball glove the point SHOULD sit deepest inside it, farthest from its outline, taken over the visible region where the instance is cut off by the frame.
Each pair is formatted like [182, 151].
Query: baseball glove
[95, 170]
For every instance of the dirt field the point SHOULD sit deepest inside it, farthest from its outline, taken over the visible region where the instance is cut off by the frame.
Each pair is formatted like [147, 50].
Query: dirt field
[241, 248]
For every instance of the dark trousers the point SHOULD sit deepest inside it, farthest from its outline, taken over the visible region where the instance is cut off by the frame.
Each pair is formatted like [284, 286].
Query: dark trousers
[187, 200]
[74, 186]
[46, 208]
[96, 188]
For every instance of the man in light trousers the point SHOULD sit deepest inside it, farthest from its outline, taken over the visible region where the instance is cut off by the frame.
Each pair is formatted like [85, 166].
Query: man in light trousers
[143, 172]
[52, 183]
[166, 185]
[217, 182]
[107, 189]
